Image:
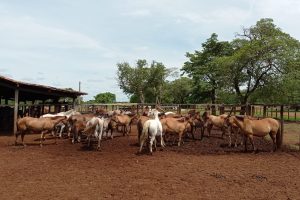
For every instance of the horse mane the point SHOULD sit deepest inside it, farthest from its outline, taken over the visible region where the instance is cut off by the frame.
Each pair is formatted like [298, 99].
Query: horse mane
[240, 117]
[205, 114]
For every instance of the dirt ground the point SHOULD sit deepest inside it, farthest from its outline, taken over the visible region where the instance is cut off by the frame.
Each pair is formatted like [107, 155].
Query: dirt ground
[206, 169]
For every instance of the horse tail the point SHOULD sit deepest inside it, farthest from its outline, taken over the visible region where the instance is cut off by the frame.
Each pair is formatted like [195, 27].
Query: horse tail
[145, 132]
[278, 137]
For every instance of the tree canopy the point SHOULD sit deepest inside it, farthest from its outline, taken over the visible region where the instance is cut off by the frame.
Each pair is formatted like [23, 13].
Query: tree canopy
[144, 82]
[105, 97]
[261, 65]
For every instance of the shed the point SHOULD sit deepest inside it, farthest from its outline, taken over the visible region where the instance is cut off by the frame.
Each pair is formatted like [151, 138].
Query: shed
[16, 94]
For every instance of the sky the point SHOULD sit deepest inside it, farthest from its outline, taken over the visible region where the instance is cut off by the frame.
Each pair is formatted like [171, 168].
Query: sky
[61, 42]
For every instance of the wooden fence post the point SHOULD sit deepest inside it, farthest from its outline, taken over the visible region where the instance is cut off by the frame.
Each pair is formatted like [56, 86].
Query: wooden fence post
[265, 111]
[179, 109]
[252, 111]
[222, 109]
[213, 109]
[281, 124]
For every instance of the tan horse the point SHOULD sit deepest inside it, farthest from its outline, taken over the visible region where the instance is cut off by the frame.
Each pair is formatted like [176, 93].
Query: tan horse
[125, 121]
[41, 125]
[212, 120]
[259, 128]
[176, 126]
[140, 125]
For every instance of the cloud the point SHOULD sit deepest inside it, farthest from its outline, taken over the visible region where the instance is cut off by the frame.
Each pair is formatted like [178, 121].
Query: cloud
[138, 13]
[2, 70]
[95, 80]
[24, 31]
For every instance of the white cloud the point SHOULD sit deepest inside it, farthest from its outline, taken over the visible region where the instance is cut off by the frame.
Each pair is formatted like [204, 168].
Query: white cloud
[24, 31]
[138, 13]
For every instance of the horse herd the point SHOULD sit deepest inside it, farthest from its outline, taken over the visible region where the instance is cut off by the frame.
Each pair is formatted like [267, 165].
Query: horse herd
[152, 125]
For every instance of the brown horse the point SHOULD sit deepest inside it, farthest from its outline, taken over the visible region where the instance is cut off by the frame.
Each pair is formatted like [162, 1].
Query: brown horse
[259, 128]
[78, 124]
[212, 120]
[37, 125]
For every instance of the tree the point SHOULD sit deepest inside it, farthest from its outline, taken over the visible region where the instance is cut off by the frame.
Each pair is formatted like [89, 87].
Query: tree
[143, 82]
[106, 97]
[178, 91]
[262, 55]
[204, 70]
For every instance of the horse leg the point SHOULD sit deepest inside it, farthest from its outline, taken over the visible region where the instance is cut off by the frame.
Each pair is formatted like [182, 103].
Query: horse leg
[209, 127]
[22, 138]
[201, 132]
[75, 134]
[17, 135]
[252, 142]
[245, 142]
[274, 141]
[89, 141]
[223, 132]
[193, 130]
[55, 142]
[111, 133]
[124, 131]
[99, 139]
[61, 130]
[141, 145]
[127, 129]
[42, 138]
[151, 143]
[155, 144]
[179, 139]
[162, 143]
[230, 135]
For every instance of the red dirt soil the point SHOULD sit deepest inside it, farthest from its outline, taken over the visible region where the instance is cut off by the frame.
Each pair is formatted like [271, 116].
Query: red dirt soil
[206, 169]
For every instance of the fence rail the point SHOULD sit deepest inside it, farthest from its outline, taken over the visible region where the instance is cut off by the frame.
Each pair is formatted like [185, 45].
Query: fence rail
[289, 112]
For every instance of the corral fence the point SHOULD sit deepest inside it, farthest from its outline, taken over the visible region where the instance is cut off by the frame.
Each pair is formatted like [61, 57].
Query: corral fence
[279, 111]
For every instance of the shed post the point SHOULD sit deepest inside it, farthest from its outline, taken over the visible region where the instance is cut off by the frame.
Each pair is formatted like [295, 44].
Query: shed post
[16, 109]
[74, 104]
[43, 107]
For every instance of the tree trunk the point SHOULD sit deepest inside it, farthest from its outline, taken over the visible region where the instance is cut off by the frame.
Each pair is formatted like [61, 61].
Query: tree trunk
[213, 101]
[244, 102]
[142, 98]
